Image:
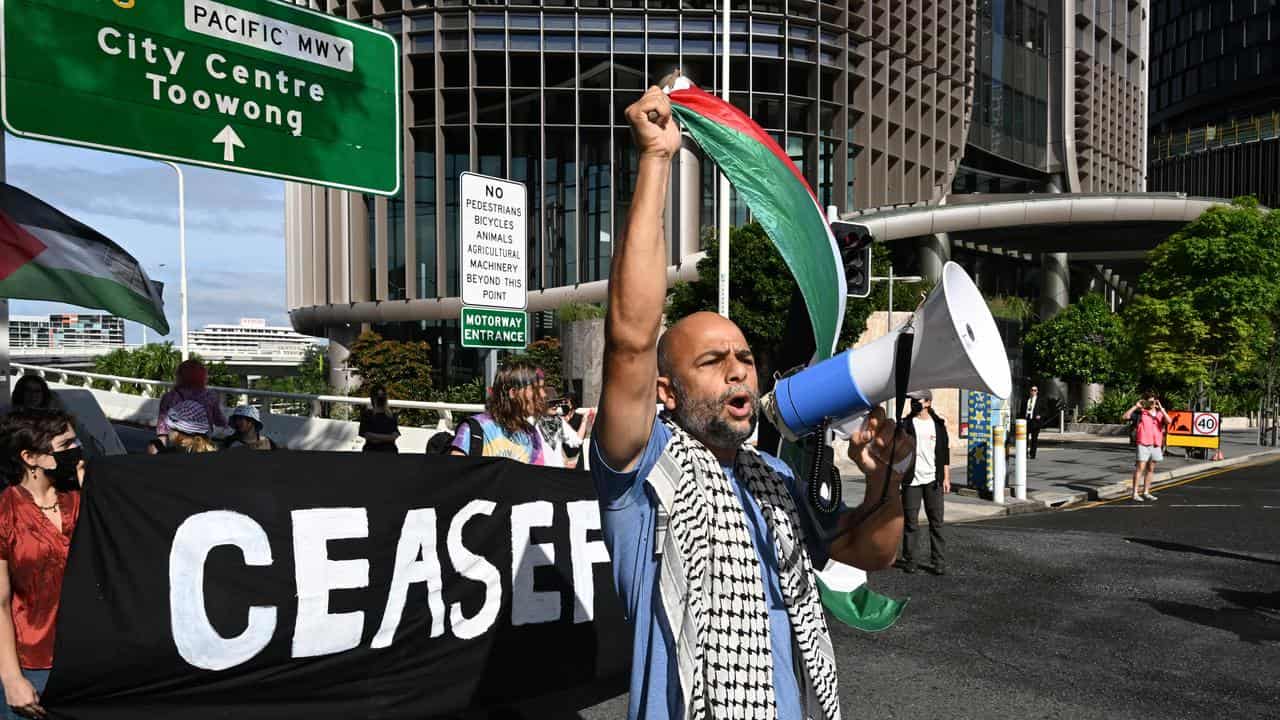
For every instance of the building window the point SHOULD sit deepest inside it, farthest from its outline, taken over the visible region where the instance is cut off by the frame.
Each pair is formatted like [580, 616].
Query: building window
[526, 164]
[560, 176]
[457, 160]
[424, 211]
[597, 185]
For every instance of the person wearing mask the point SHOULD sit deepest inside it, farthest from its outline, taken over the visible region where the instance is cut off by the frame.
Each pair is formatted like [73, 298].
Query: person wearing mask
[188, 429]
[39, 455]
[504, 428]
[247, 424]
[378, 425]
[31, 391]
[1033, 412]
[191, 385]
[706, 533]
[581, 424]
[928, 480]
[559, 439]
[1151, 422]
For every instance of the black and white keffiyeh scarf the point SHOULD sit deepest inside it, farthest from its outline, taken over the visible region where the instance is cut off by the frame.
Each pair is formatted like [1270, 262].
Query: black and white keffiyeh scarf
[713, 594]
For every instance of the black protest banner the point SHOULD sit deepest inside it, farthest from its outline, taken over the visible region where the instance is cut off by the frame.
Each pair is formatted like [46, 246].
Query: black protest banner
[331, 585]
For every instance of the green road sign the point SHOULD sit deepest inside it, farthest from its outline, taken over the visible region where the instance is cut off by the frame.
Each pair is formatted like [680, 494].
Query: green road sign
[255, 86]
[487, 328]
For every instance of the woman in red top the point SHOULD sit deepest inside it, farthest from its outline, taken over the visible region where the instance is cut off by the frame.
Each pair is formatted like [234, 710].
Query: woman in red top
[41, 461]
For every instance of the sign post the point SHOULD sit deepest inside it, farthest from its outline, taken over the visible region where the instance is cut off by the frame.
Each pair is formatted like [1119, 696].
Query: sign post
[492, 263]
[252, 86]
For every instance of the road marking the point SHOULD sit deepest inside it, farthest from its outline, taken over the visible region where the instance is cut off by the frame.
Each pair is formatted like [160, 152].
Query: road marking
[1174, 484]
[1202, 506]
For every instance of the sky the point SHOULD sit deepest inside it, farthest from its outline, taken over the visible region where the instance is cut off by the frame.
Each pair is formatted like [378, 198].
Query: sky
[235, 228]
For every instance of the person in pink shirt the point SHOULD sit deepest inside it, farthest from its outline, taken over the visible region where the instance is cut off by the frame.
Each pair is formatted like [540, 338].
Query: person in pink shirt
[1152, 420]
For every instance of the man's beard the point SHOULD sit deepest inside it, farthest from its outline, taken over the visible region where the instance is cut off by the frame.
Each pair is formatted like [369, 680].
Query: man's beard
[702, 418]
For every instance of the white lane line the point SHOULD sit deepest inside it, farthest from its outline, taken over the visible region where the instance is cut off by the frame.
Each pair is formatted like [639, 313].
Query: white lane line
[1202, 506]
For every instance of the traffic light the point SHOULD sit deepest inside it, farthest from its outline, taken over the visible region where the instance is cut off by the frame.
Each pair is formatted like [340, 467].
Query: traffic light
[854, 241]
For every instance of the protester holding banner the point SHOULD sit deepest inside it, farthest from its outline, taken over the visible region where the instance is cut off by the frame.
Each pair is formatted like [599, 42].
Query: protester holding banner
[505, 427]
[38, 454]
[721, 592]
[190, 386]
[1151, 422]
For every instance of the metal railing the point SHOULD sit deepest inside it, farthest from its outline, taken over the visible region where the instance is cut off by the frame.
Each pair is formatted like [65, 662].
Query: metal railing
[1237, 132]
[319, 405]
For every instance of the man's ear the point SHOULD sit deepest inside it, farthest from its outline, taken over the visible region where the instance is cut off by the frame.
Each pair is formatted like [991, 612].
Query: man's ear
[666, 393]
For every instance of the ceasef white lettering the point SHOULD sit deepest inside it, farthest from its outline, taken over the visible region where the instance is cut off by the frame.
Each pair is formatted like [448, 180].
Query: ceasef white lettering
[318, 631]
[198, 642]
[584, 516]
[417, 538]
[473, 567]
[528, 606]
[465, 603]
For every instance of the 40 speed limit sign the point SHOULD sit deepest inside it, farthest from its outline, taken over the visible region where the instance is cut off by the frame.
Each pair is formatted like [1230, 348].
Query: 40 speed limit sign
[1194, 429]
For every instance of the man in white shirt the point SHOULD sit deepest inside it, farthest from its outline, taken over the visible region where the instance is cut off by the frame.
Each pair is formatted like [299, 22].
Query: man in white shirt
[928, 480]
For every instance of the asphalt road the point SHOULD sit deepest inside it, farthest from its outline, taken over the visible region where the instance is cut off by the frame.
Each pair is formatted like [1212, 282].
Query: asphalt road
[1157, 610]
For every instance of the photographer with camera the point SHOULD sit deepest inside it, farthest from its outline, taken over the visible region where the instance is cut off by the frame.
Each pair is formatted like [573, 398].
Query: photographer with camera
[561, 442]
[1151, 422]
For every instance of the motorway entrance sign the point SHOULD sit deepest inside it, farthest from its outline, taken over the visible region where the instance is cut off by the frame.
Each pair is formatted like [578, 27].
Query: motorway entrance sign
[495, 329]
[254, 86]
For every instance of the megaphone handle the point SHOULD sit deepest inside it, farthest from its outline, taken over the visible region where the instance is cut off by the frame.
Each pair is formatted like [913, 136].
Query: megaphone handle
[821, 474]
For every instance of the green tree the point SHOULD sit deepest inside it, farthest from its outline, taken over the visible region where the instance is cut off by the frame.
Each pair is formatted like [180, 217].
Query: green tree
[1206, 314]
[544, 353]
[403, 368]
[760, 290]
[1079, 344]
[156, 361]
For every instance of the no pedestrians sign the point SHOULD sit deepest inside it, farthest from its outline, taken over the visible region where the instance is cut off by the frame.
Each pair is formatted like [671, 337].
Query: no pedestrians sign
[254, 86]
[493, 242]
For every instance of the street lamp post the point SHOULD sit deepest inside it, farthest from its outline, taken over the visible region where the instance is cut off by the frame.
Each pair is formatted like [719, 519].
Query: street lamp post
[722, 275]
[182, 255]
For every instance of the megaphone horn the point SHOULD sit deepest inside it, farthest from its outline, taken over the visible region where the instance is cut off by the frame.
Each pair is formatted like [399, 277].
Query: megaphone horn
[956, 345]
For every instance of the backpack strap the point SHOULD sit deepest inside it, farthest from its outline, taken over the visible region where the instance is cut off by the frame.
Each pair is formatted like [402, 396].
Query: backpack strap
[475, 436]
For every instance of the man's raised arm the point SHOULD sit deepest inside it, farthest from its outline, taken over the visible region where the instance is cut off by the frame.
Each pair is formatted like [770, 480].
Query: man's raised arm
[637, 292]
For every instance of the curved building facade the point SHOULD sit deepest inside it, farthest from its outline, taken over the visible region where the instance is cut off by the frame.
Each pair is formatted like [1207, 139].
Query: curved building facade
[1215, 98]
[871, 100]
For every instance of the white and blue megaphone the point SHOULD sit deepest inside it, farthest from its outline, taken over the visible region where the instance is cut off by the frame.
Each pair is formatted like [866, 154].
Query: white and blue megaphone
[956, 345]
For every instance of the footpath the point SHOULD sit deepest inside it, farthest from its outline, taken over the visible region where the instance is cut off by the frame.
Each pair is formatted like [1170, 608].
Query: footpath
[1069, 468]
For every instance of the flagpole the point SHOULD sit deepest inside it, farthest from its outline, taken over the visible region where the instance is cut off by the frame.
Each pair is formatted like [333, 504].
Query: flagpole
[723, 233]
[182, 255]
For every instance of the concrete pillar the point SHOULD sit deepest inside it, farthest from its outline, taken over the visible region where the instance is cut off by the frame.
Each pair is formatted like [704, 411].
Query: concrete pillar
[935, 251]
[341, 338]
[1055, 284]
[1055, 295]
[689, 186]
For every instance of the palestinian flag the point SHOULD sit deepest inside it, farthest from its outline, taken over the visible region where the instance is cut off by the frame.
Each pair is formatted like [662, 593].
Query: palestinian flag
[779, 198]
[47, 255]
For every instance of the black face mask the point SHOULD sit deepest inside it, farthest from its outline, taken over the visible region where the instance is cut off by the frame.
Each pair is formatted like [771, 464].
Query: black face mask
[64, 474]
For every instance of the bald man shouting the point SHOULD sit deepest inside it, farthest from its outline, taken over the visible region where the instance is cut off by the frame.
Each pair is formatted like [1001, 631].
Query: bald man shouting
[713, 555]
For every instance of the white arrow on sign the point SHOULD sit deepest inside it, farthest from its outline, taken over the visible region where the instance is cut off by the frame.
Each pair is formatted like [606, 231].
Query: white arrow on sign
[230, 141]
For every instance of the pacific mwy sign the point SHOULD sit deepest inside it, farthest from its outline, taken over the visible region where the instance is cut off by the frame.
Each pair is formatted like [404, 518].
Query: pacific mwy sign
[258, 86]
[169, 63]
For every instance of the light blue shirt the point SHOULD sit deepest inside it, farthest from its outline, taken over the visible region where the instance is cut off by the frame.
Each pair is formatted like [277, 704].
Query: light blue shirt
[629, 513]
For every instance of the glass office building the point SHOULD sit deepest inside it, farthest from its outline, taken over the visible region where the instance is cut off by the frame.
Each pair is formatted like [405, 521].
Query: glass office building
[1215, 98]
[870, 99]
[873, 100]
